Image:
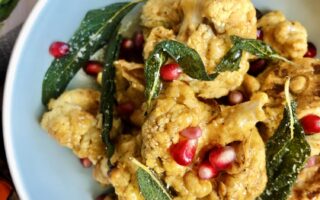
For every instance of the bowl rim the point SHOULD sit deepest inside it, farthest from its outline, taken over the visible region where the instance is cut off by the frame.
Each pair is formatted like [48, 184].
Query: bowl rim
[7, 97]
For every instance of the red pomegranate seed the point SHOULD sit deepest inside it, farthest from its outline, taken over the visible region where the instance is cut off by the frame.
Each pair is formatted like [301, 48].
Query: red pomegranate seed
[259, 34]
[191, 132]
[184, 151]
[127, 45]
[86, 163]
[125, 109]
[138, 41]
[235, 97]
[59, 49]
[222, 157]
[207, 171]
[312, 161]
[312, 51]
[93, 68]
[311, 124]
[170, 72]
[257, 66]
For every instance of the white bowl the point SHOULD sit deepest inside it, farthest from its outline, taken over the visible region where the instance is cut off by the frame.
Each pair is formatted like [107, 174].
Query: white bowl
[41, 168]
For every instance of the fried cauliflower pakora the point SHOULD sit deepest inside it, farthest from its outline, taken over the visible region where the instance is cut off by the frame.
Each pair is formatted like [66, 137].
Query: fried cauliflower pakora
[71, 120]
[287, 37]
[166, 13]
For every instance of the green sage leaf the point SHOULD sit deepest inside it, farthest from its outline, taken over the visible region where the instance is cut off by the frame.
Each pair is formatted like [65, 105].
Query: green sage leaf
[150, 186]
[257, 48]
[108, 91]
[231, 61]
[6, 7]
[286, 153]
[188, 59]
[93, 33]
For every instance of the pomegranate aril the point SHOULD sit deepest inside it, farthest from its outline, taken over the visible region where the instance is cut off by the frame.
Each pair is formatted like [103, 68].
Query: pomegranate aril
[125, 109]
[86, 163]
[191, 132]
[312, 51]
[93, 68]
[207, 171]
[311, 124]
[59, 49]
[235, 97]
[138, 41]
[257, 66]
[127, 45]
[259, 34]
[184, 151]
[312, 161]
[170, 72]
[222, 157]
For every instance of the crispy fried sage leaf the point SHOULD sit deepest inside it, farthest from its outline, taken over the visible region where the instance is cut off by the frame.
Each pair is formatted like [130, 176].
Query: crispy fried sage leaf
[257, 48]
[6, 7]
[231, 61]
[108, 91]
[287, 151]
[150, 186]
[188, 59]
[93, 33]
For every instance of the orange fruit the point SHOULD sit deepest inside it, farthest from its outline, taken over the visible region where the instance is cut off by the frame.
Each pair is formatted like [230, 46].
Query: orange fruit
[5, 190]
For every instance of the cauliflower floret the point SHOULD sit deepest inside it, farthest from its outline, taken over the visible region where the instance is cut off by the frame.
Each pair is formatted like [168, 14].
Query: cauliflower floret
[307, 185]
[250, 84]
[129, 82]
[243, 184]
[210, 47]
[156, 35]
[176, 109]
[304, 86]
[286, 37]
[192, 18]
[123, 176]
[87, 99]
[236, 127]
[125, 183]
[71, 121]
[100, 172]
[236, 121]
[131, 72]
[231, 17]
[165, 13]
[197, 188]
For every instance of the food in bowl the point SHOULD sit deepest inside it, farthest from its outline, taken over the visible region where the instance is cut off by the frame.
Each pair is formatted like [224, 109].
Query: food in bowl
[207, 100]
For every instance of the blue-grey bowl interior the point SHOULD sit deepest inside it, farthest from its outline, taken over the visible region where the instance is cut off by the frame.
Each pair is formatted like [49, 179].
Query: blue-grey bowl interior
[41, 168]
